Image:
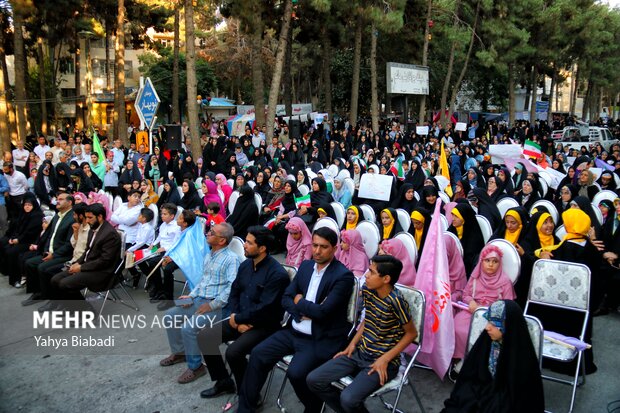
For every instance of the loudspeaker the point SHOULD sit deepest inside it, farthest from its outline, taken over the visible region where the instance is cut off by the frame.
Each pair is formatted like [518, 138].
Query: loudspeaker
[295, 128]
[174, 137]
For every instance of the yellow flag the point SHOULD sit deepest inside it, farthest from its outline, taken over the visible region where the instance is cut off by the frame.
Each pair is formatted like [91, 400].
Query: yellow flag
[445, 170]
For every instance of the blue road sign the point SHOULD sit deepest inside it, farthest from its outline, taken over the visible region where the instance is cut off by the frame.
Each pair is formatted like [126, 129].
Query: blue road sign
[147, 103]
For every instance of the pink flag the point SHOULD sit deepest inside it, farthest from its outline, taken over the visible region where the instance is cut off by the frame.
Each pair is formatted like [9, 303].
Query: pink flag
[433, 280]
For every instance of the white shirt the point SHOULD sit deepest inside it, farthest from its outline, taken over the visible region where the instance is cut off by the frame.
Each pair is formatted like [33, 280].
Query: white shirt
[127, 220]
[144, 236]
[20, 157]
[18, 184]
[305, 326]
[40, 150]
[61, 215]
[168, 234]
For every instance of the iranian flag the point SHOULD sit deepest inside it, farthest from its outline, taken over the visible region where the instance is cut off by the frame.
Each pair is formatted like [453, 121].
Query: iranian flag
[269, 224]
[302, 201]
[143, 254]
[397, 170]
[531, 149]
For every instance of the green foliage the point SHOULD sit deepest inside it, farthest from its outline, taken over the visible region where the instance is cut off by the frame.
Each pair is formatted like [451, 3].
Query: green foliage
[159, 69]
[342, 71]
[34, 92]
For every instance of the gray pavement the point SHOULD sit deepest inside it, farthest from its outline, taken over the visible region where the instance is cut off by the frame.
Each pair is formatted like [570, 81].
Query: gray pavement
[128, 377]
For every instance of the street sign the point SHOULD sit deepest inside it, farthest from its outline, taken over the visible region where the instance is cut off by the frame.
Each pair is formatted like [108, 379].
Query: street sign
[147, 103]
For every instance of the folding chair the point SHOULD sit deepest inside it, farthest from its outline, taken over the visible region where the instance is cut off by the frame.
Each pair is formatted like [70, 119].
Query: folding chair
[115, 282]
[403, 219]
[417, 308]
[478, 324]
[566, 286]
[352, 317]
[340, 213]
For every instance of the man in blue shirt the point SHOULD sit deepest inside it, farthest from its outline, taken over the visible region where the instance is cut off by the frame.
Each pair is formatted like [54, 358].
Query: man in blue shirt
[207, 299]
[4, 191]
[255, 310]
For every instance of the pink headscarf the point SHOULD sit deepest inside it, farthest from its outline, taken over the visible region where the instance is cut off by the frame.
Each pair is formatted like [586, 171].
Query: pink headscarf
[458, 278]
[301, 250]
[490, 281]
[213, 196]
[80, 196]
[397, 249]
[97, 198]
[224, 187]
[355, 258]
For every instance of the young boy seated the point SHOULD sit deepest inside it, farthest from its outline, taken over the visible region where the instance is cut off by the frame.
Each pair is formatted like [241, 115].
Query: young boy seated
[144, 238]
[372, 357]
[213, 215]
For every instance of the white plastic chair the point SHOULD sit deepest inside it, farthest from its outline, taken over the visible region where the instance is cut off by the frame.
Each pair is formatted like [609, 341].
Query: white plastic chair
[340, 213]
[221, 194]
[371, 237]
[160, 190]
[153, 207]
[333, 170]
[511, 261]
[409, 243]
[259, 203]
[444, 197]
[303, 189]
[549, 206]
[236, 246]
[252, 184]
[231, 182]
[117, 203]
[598, 213]
[562, 285]
[485, 227]
[456, 239]
[604, 194]
[505, 204]
[232, 201]
[198, 182]
[329, 223]
[349, 184]
[444, 222]
[560, 232]
[403, 219]
[369, 213]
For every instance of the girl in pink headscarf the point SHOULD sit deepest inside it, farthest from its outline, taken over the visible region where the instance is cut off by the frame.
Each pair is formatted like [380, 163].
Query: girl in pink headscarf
[352, 253]
[458, 277]
[397, 249]
[487, 284]
[209, 188]
[298, 242]
[222, 184]
[97, 198]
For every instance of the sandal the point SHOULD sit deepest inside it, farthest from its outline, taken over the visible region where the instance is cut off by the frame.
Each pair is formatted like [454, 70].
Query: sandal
[172, 360]
[190, 375]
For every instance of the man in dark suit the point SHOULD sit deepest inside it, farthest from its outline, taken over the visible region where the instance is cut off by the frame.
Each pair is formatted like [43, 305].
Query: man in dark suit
[52, 251]
[317, 301]
[95, 268]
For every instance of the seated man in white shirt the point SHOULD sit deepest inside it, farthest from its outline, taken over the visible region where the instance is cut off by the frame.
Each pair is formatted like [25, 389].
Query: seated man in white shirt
[126, 216]
[169, 233]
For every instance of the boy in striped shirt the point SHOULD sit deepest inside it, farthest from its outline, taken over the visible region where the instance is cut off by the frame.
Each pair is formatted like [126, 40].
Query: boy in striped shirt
[372, 357]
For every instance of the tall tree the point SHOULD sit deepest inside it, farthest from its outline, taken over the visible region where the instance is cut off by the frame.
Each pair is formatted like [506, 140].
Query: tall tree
[176, 113]
[276, 79]
[41, 62]
[427, 33]
[19, 10]
[190, 65]
[357, 63]
[120, 120]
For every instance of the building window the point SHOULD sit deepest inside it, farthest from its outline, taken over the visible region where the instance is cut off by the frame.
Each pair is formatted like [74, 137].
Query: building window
[67, 65]
[67, 93]
[128, 69]
[99, 67]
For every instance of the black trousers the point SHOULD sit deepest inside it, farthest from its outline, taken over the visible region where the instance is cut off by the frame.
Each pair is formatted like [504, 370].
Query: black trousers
[39, 273]
[163, 288]
[351, 399]
[306, 358]
[9, 256]
[65, 286]
[209, 340]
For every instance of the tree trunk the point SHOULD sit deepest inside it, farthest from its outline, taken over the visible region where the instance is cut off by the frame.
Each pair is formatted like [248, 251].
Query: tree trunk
[4, 114]
[192, 88]
[534, 83]
[107, 58]
[20, 75]
[286, 80]
[357, 62]
[511, 94]
[374, 98]
[528, 94]
[427, 31]
[586, 102]
[258, 88]
[274, 91]
[573, 98]
[175, 65]
[457, 86]
[120, 121]
[444, 90]
[327, 79]
[554, 76]
[41, 62]
[79, 111]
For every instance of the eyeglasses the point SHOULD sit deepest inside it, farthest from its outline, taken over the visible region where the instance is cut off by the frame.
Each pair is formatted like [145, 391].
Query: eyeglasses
[214, 234]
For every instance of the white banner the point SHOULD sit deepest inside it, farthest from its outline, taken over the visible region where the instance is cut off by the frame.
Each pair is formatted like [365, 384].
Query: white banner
[460, 126]
[421, 130]
[500, 152]
[375, 186]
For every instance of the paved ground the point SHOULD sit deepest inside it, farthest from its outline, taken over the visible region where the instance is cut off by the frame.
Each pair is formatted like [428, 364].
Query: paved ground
[128, 378]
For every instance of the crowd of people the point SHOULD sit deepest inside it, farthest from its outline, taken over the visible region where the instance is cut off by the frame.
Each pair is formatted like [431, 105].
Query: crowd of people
[56, 221]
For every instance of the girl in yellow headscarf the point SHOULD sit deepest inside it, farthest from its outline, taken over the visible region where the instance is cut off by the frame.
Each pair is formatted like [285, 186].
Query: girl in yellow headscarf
[577, 224]
[420, 222]
[354, 217]
[390, 224]
[511, 227]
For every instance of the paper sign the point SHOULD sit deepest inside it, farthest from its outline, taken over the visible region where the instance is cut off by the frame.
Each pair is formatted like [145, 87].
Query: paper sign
[460, 126]
[375, 186]
[501, 152]
[421, 130]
